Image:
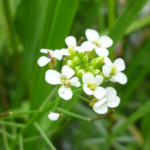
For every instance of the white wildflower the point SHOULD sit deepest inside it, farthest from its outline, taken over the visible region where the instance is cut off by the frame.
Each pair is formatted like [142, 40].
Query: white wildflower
[99, 43]
[58, 54]
[53, 116]
[65, 78]
[91, 85]
[114, 69]
[72, 44]
[109, 100]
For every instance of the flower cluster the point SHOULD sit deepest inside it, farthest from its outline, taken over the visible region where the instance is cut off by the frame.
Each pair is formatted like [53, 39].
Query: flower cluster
[88, 66]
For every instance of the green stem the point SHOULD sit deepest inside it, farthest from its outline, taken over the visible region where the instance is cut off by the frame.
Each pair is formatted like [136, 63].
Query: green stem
[44, 136]
[111, 13]
[72, 114]
[19, 125]
[7, 134]
[21, 142]
[83, 98]
[11, 26]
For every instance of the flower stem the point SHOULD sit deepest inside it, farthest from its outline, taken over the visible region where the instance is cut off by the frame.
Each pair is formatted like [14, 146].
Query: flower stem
[44, 136]
[72, 114]
[19, 125]
[103, 116]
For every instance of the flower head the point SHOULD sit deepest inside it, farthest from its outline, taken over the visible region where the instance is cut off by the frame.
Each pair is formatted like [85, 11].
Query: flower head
[113, 70]
[109, 100]
[58, 54]
[99, 43]
[65, 78]
[72, 44]
[91, 85]
[53, 116]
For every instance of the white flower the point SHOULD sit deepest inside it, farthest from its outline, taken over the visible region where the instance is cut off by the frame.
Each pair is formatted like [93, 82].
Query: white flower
[53, 116]
[99, 43]
[58, 54]
[91, 85]
[109, 100]
[66, 79]
[114, 69]
[72, 44]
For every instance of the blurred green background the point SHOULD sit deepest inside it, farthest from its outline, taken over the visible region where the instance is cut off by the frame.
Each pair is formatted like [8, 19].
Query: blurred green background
[28, 25]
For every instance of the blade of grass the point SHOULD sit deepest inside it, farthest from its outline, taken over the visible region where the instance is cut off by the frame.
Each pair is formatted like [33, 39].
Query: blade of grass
[138, 24]
[47, 140]
[19, 125]
[111, 13]
[21, 142]
[134, 117]
[125, 20]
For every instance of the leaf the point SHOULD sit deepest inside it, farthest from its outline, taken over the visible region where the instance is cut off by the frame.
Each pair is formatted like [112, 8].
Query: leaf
[133, 118]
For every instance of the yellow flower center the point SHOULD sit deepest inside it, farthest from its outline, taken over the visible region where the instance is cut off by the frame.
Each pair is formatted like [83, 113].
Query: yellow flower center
[92, 86]
[65, 81]
[97, 43]
[113, 71]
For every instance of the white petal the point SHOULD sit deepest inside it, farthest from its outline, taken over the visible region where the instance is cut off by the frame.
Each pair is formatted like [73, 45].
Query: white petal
[65, 52]
[101, 51]
[99, 92]
[120, 77]
[65, 93]
[43, 60]
[98, 79]
[53, 77]
[75, 82]
[111, 93]
[107, 70]
[53, 116]
[101, 109]
[114, 102]
[87, 90]
[43, 50]
[105, 41]
[88, 78]
[87, 46]
[57, 54]
[70, 41]
[107, 61]
[100, 102]
[79, 49]
[91, 34]
[119, 63]
[67, 71]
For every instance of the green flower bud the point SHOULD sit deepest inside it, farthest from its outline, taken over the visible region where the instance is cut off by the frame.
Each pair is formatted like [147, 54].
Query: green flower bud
[76, 60]
[85, 58]
[71, 50]
[97, 62]
[77, 68]
[96, 71]
[90, 68]
[70, 63]
[80, 72]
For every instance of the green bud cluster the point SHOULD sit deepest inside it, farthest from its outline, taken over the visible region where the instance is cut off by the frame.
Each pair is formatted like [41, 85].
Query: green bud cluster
[84, 62]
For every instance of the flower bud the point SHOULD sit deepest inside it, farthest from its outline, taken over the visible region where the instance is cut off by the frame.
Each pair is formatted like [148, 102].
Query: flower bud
[80, 72]
[97, 62]
[90, 68]
[76, 60]
[77, 68]
[70, 63]
[85, 58]
[96, 71]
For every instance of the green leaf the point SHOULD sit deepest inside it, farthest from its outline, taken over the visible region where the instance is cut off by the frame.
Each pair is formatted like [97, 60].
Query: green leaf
[134, 117]
[125, 19]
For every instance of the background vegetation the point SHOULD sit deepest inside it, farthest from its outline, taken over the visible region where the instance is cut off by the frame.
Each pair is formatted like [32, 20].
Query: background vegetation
[28, 25]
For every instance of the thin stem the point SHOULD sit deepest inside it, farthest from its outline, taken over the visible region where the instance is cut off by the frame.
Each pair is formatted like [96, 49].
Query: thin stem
[111, 13]
[11, 26]
[19, 125]
[21, 142]
[83, 98]
[72, 114]
[44, 136]
[7, 134]
[103, 116]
